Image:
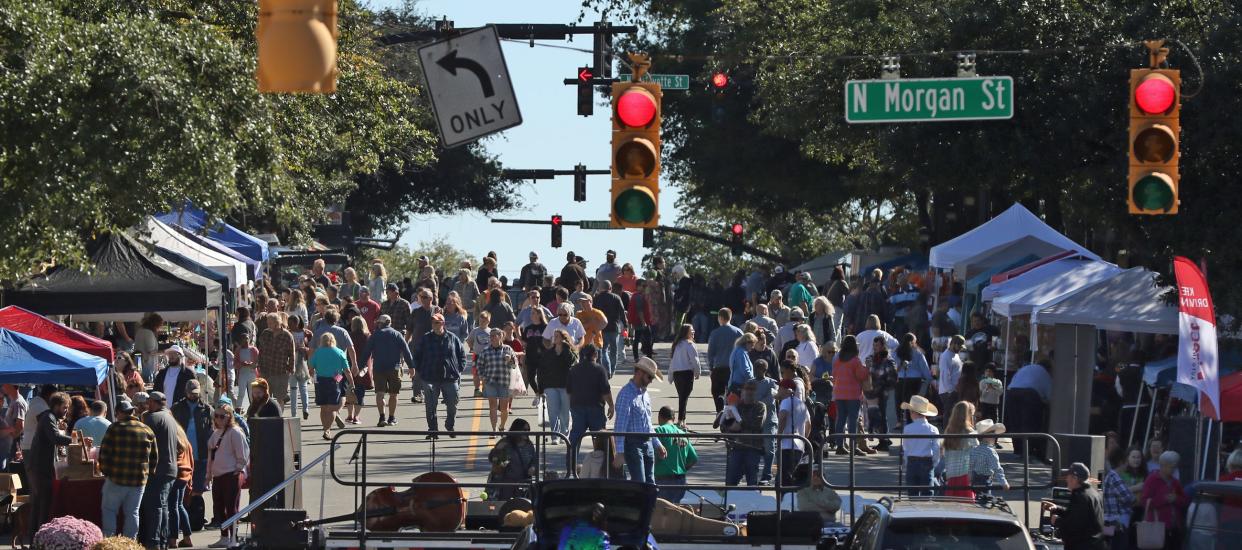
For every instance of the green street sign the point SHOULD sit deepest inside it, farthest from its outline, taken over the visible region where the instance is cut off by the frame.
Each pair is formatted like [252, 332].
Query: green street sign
[666, 81]
[596, 224]
[928, 99]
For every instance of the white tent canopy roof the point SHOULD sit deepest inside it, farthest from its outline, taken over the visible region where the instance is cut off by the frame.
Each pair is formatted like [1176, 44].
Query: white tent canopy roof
[163, 236]
[1129, 302]
[821, 268]
[998, 234]
[1028, 280]
[1055, 289]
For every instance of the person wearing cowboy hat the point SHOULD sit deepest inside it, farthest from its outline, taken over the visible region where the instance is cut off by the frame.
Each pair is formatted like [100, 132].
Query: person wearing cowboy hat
[921, 454]
[172, 379]
[633, 414]
[985, 466]
[1081, 522]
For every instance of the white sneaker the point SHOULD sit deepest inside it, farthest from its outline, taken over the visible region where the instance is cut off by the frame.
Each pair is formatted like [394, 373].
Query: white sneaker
[224, 542]
[535, 403]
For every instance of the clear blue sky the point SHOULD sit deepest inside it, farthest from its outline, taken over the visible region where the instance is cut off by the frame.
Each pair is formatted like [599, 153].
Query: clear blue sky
[552, 135]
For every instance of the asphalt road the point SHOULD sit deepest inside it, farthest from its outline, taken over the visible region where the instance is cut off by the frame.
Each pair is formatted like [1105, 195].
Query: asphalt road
[394, 458]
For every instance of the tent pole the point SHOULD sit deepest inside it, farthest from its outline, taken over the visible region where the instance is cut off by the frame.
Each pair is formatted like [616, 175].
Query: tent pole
[1220, 428]
[1151, 415]
[1207, 444]
[1005, 370]
[1138, 405]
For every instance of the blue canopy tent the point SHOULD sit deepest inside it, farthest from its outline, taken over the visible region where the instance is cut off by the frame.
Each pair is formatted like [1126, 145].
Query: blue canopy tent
[26, 359]
[195, 220]
[915, 261]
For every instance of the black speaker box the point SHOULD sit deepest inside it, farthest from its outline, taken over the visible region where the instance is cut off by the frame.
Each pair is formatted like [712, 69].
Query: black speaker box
[795, 526]
[275, 455]
[279, 529]
[1087, 449]
[483, 514]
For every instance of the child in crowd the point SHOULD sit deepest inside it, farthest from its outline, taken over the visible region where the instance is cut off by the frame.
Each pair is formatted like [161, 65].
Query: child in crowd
[990, 392]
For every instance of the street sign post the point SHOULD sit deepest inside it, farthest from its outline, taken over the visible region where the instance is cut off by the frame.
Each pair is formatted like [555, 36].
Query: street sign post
[928, 99]
[666, 81]
[469, 85]
[596, 224]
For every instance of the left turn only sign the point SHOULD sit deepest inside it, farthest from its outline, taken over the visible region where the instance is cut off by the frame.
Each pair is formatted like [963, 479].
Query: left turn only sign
[468, 81]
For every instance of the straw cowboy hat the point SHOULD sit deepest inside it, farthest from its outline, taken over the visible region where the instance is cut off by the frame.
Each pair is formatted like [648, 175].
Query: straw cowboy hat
[648, 366]
[987, 427]
[920, 405]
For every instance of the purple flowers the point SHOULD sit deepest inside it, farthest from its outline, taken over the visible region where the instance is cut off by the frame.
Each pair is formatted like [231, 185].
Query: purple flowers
[67, 533]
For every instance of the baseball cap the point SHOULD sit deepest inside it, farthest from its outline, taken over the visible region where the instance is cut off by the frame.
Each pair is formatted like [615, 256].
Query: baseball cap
[392, 287]
[533, 254]
[174, 349]
[437, 317]
[141, 397]
[157, 396]
[796, 313]
[124, 405]
[1080, 471]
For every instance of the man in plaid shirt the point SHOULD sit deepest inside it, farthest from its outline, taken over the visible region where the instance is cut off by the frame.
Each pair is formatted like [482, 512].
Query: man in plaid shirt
[127, 455]
[276, 356]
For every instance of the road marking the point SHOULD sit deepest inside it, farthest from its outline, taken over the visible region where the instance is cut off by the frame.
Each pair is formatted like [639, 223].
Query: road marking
[475, 424]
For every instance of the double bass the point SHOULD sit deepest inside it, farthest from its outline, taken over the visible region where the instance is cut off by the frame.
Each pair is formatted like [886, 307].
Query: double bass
[432, 509]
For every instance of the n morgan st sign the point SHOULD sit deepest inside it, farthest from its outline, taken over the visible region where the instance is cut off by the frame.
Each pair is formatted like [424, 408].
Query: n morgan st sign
[928, 99]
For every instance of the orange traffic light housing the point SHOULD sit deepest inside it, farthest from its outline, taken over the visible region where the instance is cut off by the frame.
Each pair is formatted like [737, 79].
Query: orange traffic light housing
[636, 119]
[297, 46]
[1155, 137]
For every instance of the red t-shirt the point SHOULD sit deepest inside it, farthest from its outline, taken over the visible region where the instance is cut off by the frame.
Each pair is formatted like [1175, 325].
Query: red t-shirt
[370, 311]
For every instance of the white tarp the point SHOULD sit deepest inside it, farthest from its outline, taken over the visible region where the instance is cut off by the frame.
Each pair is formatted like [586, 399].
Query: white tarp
[163, 236]
[1051, 291]
[1129, 302]
[1011, 226]
[1035, 276]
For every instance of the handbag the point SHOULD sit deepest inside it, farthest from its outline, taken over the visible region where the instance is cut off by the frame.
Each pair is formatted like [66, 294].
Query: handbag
[364, 381]
[517, 383]
[1149, 535]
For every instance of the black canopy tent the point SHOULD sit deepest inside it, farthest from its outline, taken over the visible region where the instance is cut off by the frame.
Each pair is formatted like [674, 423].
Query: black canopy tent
[125, 283]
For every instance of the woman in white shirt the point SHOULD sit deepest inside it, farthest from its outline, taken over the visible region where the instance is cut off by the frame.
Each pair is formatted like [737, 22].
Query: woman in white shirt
[684, 368]
[793, 419]
[146, 343]
[808, 351]
[378, 281]
[227, 458]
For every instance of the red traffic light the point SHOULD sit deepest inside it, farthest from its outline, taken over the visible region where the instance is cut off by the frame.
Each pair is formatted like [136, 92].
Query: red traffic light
[736, 229]
[636, 107]
[720, 80]
[1155, 94]
[556, 220]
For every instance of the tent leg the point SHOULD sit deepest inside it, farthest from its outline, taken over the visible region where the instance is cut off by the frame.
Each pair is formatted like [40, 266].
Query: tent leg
[1005, 369]
[1151, 415]
[1207, 444]
[1138, 405]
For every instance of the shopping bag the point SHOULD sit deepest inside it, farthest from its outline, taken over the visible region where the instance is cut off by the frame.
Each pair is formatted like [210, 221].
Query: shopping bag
[517, 384]
[1149, 535]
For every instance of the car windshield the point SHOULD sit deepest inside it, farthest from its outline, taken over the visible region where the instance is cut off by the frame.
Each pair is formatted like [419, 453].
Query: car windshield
[959, 534]
[1214, 521]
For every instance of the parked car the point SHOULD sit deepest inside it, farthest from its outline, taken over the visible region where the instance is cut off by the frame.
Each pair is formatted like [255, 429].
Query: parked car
[938, 523]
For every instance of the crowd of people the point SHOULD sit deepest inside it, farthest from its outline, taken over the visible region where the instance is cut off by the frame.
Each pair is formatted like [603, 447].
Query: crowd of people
[818, 371]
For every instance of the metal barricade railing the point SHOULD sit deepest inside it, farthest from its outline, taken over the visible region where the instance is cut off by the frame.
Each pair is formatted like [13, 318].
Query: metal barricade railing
[362, 481]
[256, 503]
[1053, 451]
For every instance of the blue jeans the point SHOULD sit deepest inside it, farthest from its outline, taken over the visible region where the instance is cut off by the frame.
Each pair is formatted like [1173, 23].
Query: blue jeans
[769, 450]
[640, 459]
[847, 416]
[431, 397]
[612, 342]
[120, 499]
[178, 516]
[919, 473]
[585, 419]
[742, 462]
[702, 327]
[558, 409]
[669, 489]
[154, 508]
[297, 387]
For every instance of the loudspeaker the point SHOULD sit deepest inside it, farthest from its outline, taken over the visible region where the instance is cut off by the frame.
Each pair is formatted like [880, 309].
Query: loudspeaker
[278, 528]
[483, 514]
[275, 455]
[1183, 440]
[795, 526]
[1087, 449]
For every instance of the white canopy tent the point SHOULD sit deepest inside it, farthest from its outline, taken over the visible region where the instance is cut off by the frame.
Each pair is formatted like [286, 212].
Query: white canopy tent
[164, 236]
[1130, 302]
[821, 268]
[1035, 276]
[1050, 291]
[1015, 231]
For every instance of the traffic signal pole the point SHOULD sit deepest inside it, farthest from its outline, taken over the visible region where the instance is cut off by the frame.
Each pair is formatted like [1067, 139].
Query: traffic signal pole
[676, 230]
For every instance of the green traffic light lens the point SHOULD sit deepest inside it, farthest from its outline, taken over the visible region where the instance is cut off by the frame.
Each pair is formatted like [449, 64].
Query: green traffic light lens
[1154, 192]
[634, 205]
